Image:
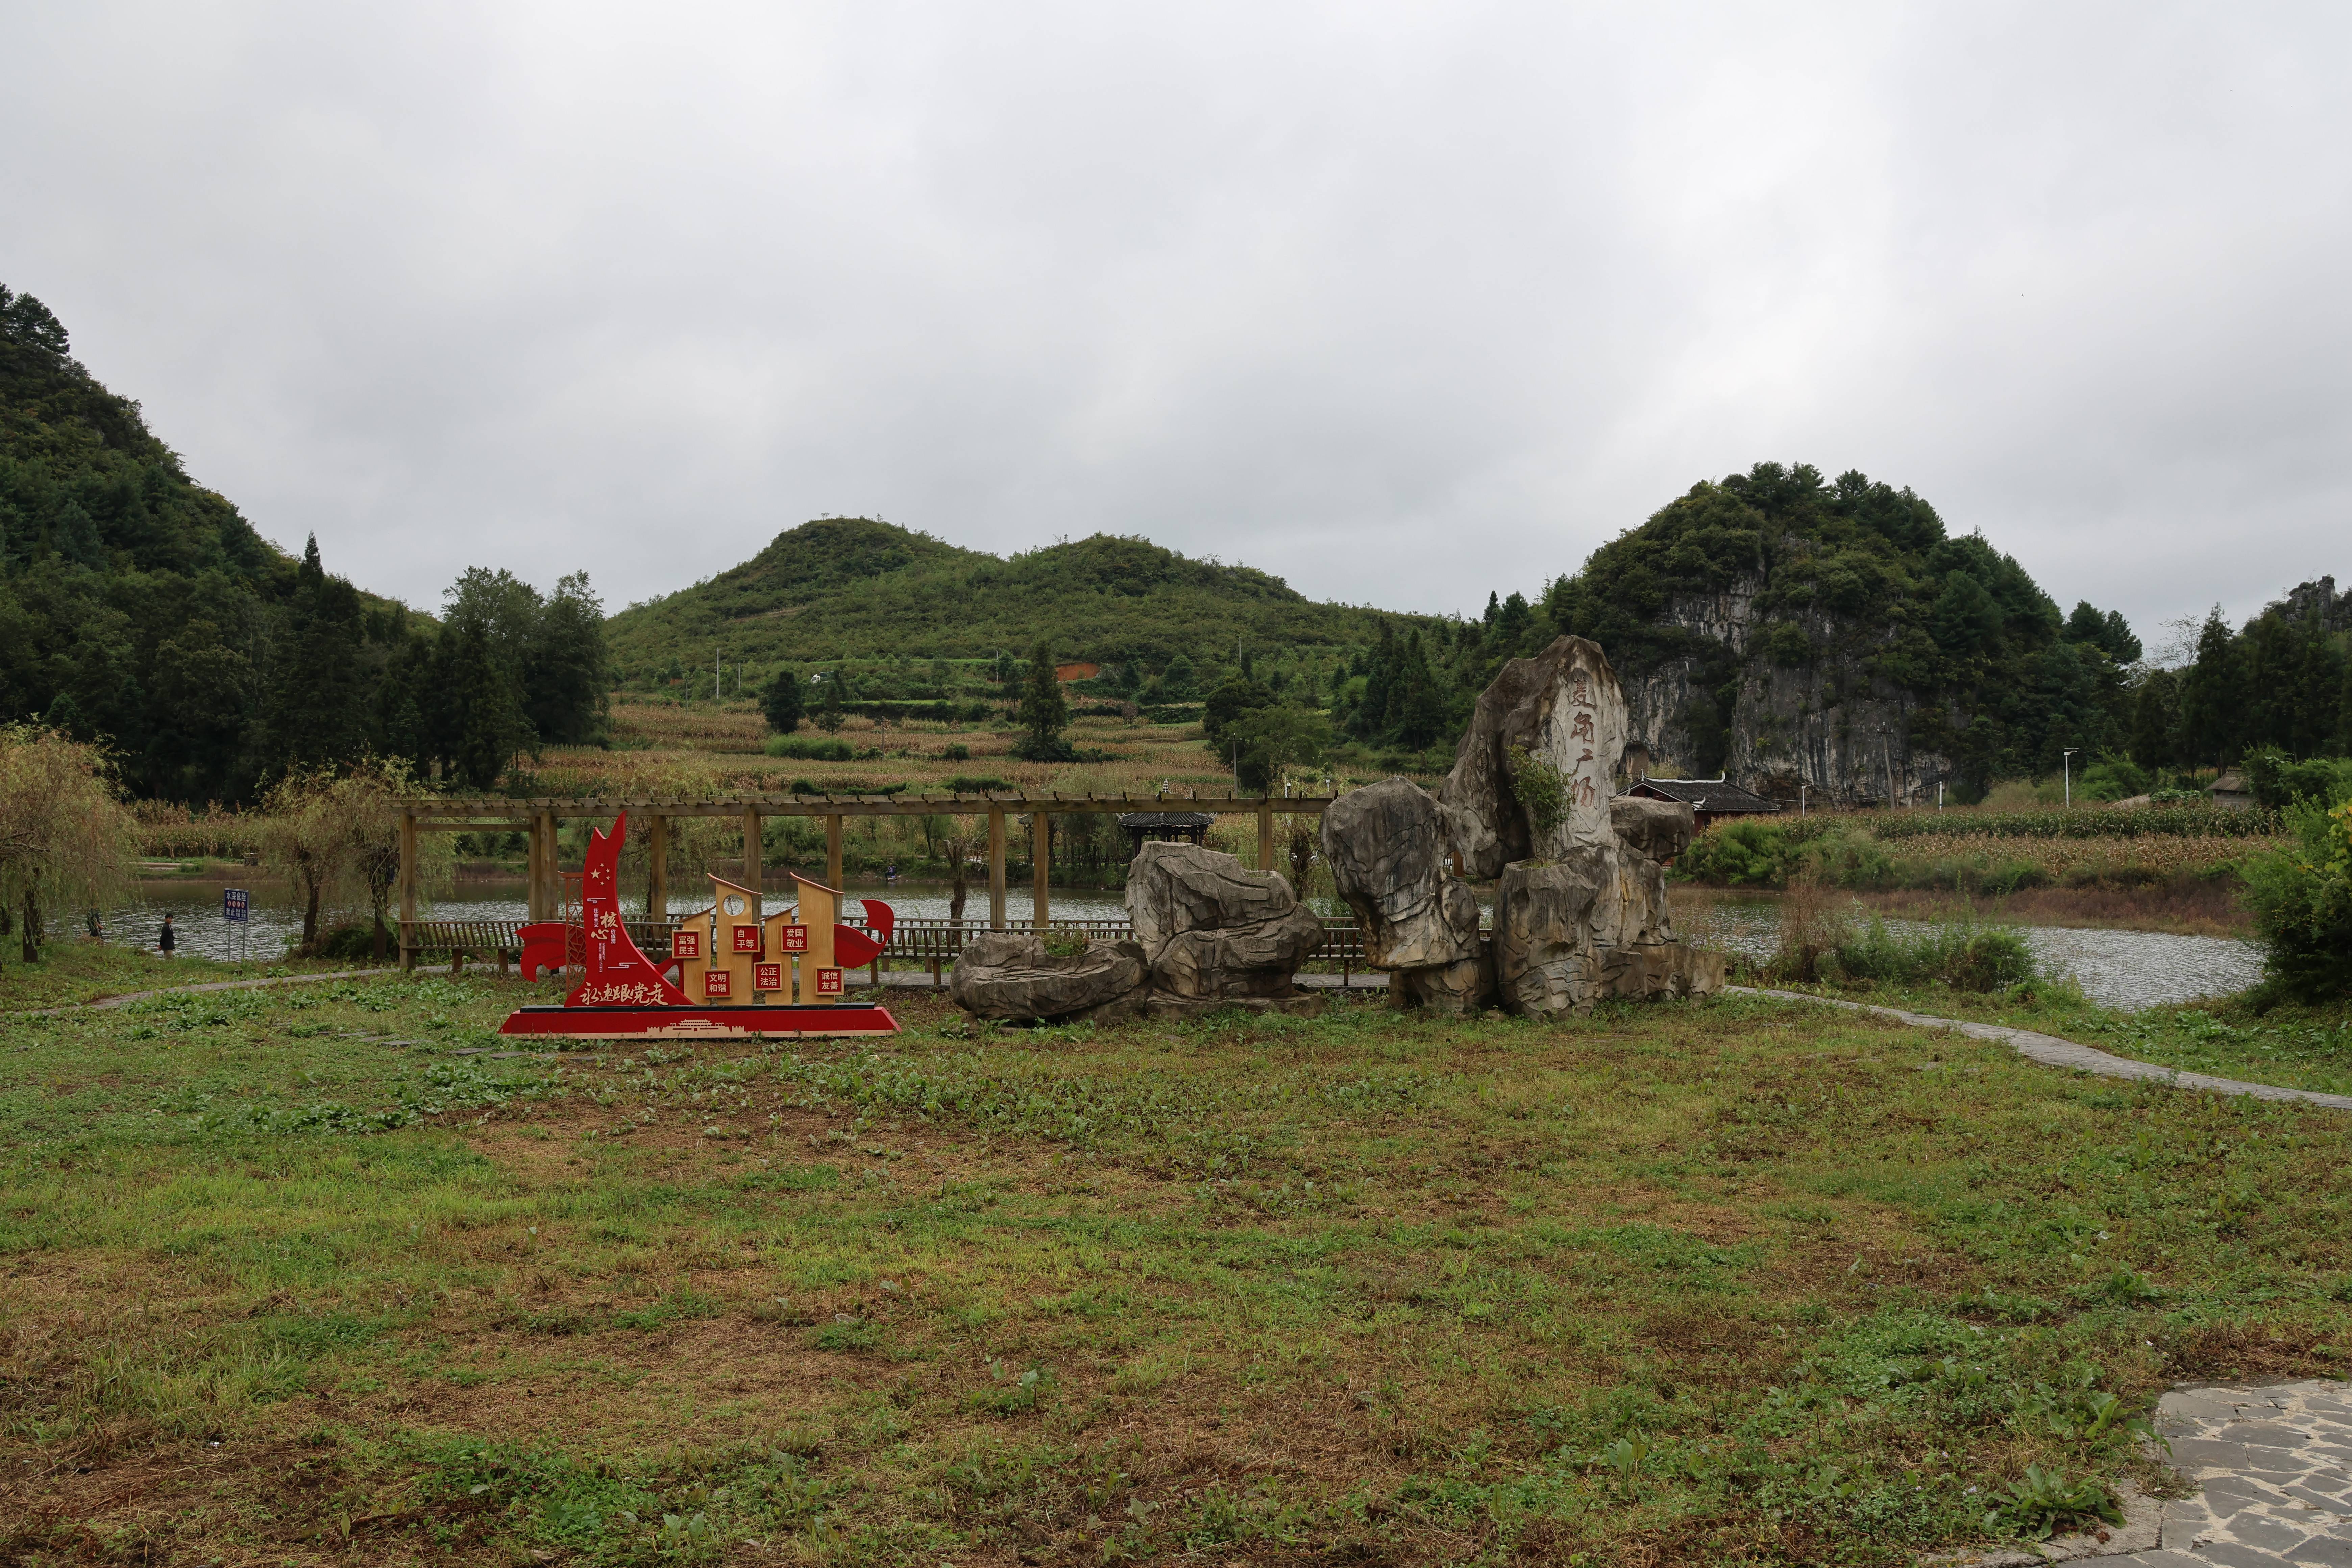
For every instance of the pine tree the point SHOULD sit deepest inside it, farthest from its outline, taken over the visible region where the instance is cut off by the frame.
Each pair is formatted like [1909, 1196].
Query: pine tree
[782, 701]
[1044, 714]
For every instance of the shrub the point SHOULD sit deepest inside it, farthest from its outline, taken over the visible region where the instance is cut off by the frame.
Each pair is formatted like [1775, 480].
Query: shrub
[978, 783]
[810, 749]
[1541, 791]
[1965, 956]
[1742, 854]
[956, 752]
[2277, 780]
[2301, 896]
[2113, 778]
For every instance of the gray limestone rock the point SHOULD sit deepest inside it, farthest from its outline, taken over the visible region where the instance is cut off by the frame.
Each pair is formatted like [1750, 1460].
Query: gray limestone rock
[1660, 830]
[1212, 931]
[1564, 708]
[1388, 846]
[1009, 975]
[1543, 944]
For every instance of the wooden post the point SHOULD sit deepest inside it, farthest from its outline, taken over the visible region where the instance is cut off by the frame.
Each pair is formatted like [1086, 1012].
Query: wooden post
[657, 869]
[534, 899]
[1041, 855]
[752, 871]
[1266, 835]
[407, 888]
[833, 852]
[550, 897]
[995, 867]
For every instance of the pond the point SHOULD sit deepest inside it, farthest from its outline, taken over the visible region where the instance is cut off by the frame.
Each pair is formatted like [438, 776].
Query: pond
[276, 923]
[2118, 968]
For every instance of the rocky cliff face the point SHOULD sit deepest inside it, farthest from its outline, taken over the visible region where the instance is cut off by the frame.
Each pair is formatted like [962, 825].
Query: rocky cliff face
[1823, 721]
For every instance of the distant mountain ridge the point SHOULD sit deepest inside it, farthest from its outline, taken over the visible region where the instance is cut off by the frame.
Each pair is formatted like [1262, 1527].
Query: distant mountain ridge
[853, 588]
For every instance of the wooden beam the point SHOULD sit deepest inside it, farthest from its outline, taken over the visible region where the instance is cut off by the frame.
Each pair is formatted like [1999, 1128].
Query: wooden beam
[461, 817]
[407, 886]
[1265, 834]
[833, 851]
[1041, 855]
[996, 870]
[658, 869]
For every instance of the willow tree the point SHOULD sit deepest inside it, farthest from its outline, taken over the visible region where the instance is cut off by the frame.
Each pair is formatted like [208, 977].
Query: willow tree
[334, 834]
[64, 833]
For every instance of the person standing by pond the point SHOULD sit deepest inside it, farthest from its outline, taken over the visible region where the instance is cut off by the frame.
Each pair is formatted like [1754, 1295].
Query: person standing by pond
[167, 941]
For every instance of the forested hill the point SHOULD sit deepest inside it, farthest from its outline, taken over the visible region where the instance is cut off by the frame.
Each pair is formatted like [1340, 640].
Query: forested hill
[138, 609]
[850, 588]
[1786, 627]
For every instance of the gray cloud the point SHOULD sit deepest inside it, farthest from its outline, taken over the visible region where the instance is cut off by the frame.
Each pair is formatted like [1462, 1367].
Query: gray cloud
[1403, 303]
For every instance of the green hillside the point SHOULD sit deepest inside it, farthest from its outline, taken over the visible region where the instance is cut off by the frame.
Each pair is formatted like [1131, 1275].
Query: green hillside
[847, 589]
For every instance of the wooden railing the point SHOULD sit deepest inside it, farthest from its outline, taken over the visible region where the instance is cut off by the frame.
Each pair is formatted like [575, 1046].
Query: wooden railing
[935, 942]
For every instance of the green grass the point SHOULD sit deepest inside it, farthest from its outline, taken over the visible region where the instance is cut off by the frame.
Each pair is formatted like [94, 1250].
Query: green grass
[1731, 1281]
[2295, 1047]
[71, 972]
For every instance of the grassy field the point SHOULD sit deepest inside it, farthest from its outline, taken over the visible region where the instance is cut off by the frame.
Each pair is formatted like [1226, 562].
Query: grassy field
[71, 972]
[295, 1277]
[2296, 1047]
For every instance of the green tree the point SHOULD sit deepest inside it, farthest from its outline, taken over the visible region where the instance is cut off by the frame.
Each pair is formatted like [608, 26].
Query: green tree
[1270, 741]
[566, 672]
[2210, 696]
[781, 702]
[482, 724]
[1235, 699]
[2154, 720]
[828, 703]
[1044, 713]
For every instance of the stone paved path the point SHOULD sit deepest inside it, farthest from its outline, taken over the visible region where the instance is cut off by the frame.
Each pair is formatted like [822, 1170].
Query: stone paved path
[2060, 1053]
[2272, 1467]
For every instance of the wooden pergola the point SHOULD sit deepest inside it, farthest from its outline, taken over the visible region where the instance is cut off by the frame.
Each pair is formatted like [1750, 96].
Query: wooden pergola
[539, 818]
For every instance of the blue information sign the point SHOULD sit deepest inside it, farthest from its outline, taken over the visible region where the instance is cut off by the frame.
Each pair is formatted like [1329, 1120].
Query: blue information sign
[234, 904]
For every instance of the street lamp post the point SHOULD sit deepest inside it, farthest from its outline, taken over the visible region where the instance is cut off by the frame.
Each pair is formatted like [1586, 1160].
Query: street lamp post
[2066, 763]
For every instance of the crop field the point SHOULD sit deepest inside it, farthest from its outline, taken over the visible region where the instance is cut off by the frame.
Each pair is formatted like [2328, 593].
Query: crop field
[314, 1275]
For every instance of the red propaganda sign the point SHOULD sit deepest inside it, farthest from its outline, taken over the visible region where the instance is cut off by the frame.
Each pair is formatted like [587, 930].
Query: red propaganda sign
[717, 983]
[747, 938]
[796, 939]
[828, 981]
[686, 944]
[767, 977]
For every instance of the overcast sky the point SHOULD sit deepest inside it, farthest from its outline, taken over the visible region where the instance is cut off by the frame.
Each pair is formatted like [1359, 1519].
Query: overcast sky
[1403, 303]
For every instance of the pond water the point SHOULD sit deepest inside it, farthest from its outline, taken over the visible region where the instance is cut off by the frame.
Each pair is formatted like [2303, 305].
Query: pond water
[2118, 968]
[276, 923]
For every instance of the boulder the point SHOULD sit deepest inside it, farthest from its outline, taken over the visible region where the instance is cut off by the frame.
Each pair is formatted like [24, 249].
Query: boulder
[1659, 969]
[1543, 942]
[1388, 846]
[1009, 975]
[1660, 830]
[1460, 988]
[1564, 706]
[1212, 931]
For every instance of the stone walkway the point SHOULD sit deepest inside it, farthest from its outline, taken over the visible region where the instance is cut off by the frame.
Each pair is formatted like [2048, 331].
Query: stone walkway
[2272, 1467]
[105, 1001]
[2058, 1052]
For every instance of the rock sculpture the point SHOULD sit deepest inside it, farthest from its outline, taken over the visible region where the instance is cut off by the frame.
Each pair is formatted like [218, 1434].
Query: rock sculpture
[1208, 934]
[1010, 975]
[1215, 934]
[1581, 906]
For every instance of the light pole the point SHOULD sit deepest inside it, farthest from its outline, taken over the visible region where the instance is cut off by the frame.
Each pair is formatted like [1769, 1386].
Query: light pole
[2066, 765]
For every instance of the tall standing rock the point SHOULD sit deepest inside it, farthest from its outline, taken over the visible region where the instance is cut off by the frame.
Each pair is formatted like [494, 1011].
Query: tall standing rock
[1565, 709]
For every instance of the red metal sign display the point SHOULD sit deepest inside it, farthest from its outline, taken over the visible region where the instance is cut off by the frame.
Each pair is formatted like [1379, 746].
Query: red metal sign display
[623, 995]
